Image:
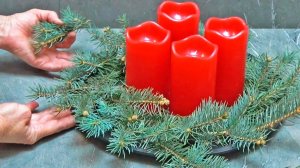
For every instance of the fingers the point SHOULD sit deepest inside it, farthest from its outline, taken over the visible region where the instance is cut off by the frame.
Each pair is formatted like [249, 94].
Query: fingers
[32, 105]
[47, 16]
[64, 55]
[67, 43]
[55, 126]
[50, 122]
[53, 60]
[63, 114]
[50, 114]
[63, 61]
[60, 65]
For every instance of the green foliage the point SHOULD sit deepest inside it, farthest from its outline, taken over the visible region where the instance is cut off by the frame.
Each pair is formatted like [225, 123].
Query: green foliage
[48, 34]
[103, 104]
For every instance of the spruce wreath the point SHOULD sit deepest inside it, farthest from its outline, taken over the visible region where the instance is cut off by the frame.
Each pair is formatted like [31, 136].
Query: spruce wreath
[94, 88]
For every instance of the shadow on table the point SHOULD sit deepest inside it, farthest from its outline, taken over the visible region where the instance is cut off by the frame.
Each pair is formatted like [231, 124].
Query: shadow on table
[17, 67]
[15, 149]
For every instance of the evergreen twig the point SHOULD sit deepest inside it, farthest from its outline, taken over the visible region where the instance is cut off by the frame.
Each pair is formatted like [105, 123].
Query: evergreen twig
[48, 34]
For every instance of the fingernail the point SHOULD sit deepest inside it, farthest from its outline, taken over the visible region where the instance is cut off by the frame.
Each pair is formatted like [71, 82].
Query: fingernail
[32, 105]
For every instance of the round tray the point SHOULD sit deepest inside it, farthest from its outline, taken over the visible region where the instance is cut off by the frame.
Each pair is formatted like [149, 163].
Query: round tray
[217, 150]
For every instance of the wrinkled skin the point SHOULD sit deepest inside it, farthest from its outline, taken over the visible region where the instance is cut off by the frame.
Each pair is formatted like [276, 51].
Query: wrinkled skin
[18, 124]
[17, 37]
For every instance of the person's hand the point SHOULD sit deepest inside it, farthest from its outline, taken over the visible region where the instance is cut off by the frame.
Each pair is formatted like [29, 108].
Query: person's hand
[19, 125]
[18, 37]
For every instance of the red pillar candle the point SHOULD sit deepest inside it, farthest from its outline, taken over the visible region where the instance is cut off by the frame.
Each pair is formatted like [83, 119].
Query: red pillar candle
[148, 52]
[231, 36]
[193, 73]
[182, 19]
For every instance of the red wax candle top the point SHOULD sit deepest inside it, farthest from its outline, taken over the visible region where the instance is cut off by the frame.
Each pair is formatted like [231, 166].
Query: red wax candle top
[148, 48]
[148, 32]
[194, 46]
[193, 73]
[231, 35]
[229, 28]
[182, 19]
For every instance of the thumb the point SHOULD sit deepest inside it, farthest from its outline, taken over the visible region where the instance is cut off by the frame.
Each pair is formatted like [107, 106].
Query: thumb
[32, 105]
[55, 125]
[47, 16]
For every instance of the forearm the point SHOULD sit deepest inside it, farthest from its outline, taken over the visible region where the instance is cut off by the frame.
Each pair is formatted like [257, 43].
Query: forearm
[4, 30]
